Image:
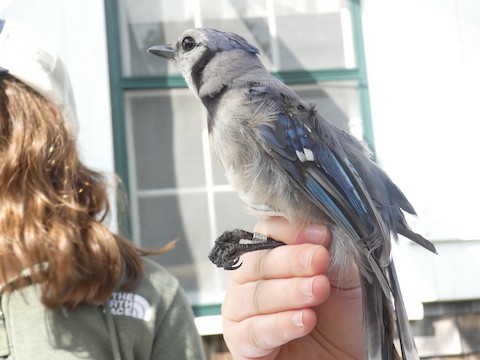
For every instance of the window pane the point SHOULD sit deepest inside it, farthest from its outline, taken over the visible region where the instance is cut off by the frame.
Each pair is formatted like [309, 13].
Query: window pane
[164, 134]
[231, 213]
[291, 35]
[144, 23]
[184, 217]
[309, 38]
[247, 18]
[337, 101]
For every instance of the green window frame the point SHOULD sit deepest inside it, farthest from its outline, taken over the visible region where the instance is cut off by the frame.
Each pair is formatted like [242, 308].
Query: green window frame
[120, 84]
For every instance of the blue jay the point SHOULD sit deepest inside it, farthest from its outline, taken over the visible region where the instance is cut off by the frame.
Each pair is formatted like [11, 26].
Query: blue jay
[284, 158]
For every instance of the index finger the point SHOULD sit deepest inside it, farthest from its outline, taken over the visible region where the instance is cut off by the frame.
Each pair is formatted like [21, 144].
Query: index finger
[280, 229]
[283, 262]
[305, 258]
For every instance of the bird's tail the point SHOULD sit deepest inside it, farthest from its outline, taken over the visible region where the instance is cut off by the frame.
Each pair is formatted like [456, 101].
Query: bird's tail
[409, 350]
[383, 318]
[378, 322]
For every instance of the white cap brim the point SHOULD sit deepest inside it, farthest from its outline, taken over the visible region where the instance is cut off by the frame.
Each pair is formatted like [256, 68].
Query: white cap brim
[25, 56]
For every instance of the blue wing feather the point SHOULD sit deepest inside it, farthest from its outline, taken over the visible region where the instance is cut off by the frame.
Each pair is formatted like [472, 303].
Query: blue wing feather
[329, 162]
[320, 195]
[322, 178]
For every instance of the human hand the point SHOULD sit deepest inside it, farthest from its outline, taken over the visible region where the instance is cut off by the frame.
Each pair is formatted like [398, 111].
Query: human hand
[281, 305]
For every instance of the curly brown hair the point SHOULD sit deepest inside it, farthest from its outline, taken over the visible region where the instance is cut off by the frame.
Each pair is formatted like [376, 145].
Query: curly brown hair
[52, 209]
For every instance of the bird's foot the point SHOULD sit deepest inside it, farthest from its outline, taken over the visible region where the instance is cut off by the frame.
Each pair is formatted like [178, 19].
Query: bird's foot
[234, 243]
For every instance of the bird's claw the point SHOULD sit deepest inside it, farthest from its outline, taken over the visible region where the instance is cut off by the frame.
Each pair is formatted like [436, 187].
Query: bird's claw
[234, 243]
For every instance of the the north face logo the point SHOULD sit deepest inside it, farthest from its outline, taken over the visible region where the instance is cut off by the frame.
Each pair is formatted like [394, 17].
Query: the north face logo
[129, 304]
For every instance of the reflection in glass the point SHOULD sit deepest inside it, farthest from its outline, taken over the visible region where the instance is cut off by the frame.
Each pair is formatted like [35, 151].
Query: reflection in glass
[291, 35]
[336, 101]
[165, 127]
[180, 217]
[144, 23]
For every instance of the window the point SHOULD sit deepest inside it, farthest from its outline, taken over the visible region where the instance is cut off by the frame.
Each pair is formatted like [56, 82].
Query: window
[176, 188]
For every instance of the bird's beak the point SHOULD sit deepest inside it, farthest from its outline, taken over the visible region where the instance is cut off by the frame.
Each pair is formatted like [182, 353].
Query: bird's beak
[165, 51]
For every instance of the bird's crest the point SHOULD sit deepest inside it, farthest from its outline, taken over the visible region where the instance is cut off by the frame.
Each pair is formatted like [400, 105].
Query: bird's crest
[226, 41]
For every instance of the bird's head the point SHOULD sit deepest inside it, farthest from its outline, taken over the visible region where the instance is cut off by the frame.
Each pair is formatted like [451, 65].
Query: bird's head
[195, 49]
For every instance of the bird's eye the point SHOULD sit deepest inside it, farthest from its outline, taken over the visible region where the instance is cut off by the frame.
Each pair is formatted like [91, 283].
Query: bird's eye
[188, 43]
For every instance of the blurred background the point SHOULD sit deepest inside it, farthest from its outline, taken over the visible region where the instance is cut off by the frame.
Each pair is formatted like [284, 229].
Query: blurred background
[402, 75]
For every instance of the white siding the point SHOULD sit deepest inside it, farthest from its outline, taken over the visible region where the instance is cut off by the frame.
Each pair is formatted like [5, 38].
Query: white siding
[423, 65]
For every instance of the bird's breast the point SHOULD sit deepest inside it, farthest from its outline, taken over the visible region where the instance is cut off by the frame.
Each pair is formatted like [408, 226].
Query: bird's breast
[261, 183]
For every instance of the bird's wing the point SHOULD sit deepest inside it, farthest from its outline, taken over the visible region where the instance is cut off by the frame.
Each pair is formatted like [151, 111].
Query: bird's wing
[329, 181]
[321, 170]
[319, 167]
[316, 170]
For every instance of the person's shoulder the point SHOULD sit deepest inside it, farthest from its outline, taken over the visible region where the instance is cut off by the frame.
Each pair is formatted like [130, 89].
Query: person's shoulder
[156, 272]
[157, 281]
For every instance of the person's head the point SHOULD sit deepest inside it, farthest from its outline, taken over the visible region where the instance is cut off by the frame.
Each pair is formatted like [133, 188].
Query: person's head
[51, 205]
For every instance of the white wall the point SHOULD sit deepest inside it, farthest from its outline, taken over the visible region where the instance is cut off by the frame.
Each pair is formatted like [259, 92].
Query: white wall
[77, 30]
[423, 62]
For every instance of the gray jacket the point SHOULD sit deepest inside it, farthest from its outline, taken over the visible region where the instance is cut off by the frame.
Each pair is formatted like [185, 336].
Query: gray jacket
[152, 322]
